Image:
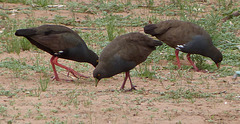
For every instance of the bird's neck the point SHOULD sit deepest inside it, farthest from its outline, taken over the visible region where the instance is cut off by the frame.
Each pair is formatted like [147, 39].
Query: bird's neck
[93, 58]
[80, 55]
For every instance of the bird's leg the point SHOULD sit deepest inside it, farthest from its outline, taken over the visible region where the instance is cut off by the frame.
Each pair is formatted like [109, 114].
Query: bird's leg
[125, 79]
[54, 69]
[68, 69]
[189, 59]
[124, 82]
[178, 61]
[132, 86]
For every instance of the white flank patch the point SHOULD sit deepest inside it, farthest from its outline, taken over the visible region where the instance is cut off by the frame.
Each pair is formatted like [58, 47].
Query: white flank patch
[180, 46]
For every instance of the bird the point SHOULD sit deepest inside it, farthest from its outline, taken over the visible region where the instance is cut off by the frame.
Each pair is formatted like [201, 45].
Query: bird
[61, 42]
[186, 37]
[123, 54]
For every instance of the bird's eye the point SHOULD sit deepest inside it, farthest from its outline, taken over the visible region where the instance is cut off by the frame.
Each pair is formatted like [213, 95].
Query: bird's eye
[97, 60]
[98, 75]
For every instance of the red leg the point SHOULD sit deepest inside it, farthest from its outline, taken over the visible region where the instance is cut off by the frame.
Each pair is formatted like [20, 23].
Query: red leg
[178, 61]
[54, 69]
[189, 59]
[125, 79]
[68, 69]
[132, 86]
[124, 82]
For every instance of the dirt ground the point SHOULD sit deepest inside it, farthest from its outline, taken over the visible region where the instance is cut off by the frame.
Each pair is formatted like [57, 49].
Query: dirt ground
[79, 101]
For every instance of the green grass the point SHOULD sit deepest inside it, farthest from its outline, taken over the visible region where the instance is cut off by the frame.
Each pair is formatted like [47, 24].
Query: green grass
[20, 68]
[43, 83]
[3, 111]
[8, 93]
[11, 42]
[15, 65]
[99, 6]
[182, 94]
[41, 3]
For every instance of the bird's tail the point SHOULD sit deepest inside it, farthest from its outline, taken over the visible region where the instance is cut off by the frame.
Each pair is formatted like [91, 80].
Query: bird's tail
[25, 32]
[157, 43]
[150, 29]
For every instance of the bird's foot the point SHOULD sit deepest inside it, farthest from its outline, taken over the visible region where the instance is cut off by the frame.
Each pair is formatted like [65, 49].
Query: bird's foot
[57, 79]
[122, 89]
[76, 74]
[132, 88]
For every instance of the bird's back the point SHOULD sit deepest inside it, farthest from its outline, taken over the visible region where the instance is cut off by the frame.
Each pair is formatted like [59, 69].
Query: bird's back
[51, 38]
[125, 52]
[130, 47]
[59, 41]
[175, 32]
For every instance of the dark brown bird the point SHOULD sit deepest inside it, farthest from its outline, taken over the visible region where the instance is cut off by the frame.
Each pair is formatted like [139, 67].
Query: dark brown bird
[186, 37]
[60, 42]
[123, 54]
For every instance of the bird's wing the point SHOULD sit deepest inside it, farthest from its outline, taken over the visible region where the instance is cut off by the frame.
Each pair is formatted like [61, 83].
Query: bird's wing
[198, 45]
[134, 52]
[58, 41]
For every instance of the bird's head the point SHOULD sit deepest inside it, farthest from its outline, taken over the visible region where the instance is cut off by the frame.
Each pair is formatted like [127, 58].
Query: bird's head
[218, 63]
[217, 58]
[98, 75]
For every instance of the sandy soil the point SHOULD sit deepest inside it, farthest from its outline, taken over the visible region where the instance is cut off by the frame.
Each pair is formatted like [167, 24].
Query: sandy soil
[79, 101]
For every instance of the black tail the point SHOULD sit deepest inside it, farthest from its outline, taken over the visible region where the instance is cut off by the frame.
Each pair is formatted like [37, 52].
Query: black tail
[149, 29]
[25, 32]
[157, 43]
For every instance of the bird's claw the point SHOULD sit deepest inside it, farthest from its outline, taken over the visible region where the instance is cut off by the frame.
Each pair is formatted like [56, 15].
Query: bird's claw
[76, 74]
[132, 88]
[55, 78]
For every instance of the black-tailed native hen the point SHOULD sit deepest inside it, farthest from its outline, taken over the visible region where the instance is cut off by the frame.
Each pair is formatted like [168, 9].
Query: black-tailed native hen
[186, 37]
[123, 54]
[60, 42]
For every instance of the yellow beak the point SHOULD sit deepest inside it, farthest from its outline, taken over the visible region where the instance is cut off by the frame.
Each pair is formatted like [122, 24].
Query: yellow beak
[218, 65]
[96, 82]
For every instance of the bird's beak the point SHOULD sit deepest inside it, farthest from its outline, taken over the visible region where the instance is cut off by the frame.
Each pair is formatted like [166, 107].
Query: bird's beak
[96, 82]
[218, 65]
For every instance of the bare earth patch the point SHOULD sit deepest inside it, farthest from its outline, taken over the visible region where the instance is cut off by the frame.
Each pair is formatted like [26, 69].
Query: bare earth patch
[179, 96]
[79, 101]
